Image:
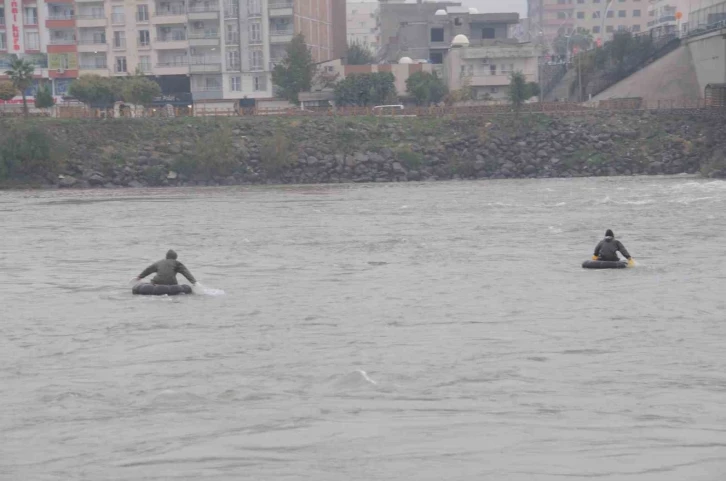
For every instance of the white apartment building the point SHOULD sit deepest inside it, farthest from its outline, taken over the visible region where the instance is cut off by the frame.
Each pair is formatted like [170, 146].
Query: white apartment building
[668, 16]
[364, 24]
[487, 67]
[221, 49]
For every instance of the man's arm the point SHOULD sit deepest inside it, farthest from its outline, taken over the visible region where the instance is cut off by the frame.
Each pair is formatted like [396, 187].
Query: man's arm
[597, 249]
[152, 268]
[623, 250]
[181, 268]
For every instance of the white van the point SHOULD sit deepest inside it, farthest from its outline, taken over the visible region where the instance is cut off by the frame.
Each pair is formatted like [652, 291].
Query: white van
[390, 111]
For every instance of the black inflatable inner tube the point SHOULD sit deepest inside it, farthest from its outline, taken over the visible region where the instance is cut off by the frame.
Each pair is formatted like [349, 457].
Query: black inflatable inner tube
[604, 264]
[161, 290]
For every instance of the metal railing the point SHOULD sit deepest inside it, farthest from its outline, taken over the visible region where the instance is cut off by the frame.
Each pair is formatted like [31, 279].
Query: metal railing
[93, 16]
[174, 10]
[203, 8]
[91, 41]
[279, 32]
[173, 63]
[88, 66]
[231, 13]
[279, 4]
[172, 38]
[118, 18]
[202, 35]
[61, 16]
[62, 41]
[142, 17]
[119, 44]
[231, 39]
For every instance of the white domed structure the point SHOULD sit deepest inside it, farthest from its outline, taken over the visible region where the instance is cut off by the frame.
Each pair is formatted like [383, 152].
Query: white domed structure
[460, 41]
[405, 60]
[440, 12]
[473, 11]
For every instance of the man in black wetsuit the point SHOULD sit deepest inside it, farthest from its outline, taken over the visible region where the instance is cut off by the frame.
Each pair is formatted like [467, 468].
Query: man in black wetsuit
[608, 248]
[166, 271]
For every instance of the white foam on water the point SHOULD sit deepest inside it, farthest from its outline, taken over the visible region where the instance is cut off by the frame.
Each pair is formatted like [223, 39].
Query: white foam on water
[202, 290]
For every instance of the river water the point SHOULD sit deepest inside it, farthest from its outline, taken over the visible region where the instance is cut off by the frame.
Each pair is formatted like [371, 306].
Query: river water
[423, 331]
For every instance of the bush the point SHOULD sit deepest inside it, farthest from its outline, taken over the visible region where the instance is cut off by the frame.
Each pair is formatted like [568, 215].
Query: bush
[276, 154]
[213, 156]
[412, 160]
[27, 150]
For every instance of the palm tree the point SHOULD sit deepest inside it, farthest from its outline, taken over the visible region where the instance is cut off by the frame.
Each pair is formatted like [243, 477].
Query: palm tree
[21, 75]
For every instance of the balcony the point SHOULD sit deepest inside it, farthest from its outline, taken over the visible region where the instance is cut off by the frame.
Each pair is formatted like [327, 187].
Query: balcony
[203, 12]
[231, 13]
[277, 8]
[234, 66]
[175, 42]
[173, 15]
[93, 66]
[205, 65]
[232, 39]
[62, 41]
[206, 93]
[118, 19]
[60, 20]
[2, 23]
[175, 67]
[481, 80]
[27, 21]
[281, 35]
[143, 45]
[92, 45]
[207, 39]
[94, 20]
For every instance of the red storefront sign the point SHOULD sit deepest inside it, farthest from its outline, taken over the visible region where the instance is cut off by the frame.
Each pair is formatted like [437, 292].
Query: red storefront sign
[15, 27]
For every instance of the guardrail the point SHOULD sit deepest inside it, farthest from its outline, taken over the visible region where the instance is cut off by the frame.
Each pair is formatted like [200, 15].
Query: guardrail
[558, 109]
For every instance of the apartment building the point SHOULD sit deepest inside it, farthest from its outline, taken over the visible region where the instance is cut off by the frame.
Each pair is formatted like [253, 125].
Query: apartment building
[363, 18]
[602, 18]
[424, 31]
[486, 67]
[668, 16]
[216, 49]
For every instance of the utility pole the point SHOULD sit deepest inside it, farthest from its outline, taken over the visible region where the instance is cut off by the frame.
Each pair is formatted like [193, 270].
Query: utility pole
[579, 74]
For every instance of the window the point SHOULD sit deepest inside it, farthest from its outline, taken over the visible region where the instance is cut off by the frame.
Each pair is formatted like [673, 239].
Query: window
[235, 84]
[636, 13]
[610, 14]
[609, 29]
[233, 60]
[119, 40]
[488, 33]
[145, 63]
[492, 69]
[437, 34]
[254, 7]
[259, 83]
[142, 13]
[561, 15]
[3, 41]
[622, 28]
[120, 64]
[30, 15]
[117, 15]
[595, 1]
[436, 58]
[144, 38]
[255, 32]
[99, 36]
[622, 14]
[596, 29]
[32, 40]
[636, 28]
[494, 90]
[580, 1]
[63, 61]
[561, 2]
[595, 14]
[256, 59]
[580, 15]
[507, 68]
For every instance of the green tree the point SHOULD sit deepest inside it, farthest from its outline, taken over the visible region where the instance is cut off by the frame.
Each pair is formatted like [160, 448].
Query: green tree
[21, 75]
[518, 90]
[365, 89]
[621, 44]
[359, 54]
[44, 98]
[7, 90]
[296, 72]
[426, 88]
[533, 89]
[95, 90]
[139, 90]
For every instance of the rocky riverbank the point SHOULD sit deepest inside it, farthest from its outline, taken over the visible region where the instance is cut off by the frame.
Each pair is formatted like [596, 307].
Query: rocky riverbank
[221, 151]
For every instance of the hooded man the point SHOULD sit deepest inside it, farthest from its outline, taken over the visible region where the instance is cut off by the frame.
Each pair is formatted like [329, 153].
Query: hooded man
[166, 271]
[608, 248]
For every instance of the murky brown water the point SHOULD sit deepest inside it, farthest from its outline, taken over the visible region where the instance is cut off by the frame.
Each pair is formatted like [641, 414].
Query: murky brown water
[372, 332]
